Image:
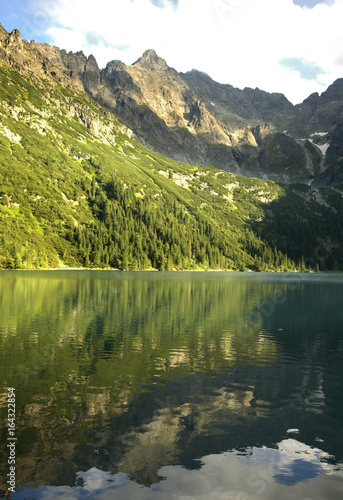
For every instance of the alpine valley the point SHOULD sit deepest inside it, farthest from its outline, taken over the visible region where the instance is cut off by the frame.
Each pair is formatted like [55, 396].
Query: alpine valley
[142, 167]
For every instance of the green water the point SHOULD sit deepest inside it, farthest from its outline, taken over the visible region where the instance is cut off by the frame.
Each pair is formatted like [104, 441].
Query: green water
[149, 385]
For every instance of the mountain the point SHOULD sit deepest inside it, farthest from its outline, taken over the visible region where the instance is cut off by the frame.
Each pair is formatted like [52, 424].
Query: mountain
[84, 182]
[191, 118]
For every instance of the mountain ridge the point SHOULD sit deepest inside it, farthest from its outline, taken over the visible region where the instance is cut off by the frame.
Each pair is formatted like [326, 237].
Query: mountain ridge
[189, 117]
[80, 188]
[192, 118]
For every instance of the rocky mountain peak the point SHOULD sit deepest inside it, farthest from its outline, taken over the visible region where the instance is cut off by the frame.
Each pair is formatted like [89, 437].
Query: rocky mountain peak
[313, 98]
[91, 76]
[115, 66]
[14, 41]
[11, 46]
[151, 61]
[335, 90]
[15, 36]
[91, 61]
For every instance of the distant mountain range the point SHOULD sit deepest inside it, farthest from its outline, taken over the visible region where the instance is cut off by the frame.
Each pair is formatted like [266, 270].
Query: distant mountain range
[142, 167]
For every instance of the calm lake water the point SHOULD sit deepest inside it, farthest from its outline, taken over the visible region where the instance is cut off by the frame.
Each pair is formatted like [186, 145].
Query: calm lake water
[167, 386]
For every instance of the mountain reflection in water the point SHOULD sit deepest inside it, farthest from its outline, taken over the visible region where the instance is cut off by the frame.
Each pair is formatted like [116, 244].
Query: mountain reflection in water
[174, 385]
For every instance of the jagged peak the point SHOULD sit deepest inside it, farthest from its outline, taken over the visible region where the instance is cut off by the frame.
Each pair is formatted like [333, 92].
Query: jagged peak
[150, 60]
[15, 35]
[10, 38]
[150, 54]
[13, 40]
[91, 61]
[310, 99]
[78, 54]
[336, 86]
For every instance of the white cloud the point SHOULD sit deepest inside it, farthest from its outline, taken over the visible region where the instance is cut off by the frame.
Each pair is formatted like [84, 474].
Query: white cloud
[240, 42]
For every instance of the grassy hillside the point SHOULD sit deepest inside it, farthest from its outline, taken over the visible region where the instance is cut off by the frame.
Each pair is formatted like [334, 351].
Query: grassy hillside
[77, 191]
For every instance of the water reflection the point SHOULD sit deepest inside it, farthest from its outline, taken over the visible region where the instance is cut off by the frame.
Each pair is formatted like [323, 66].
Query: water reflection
[292, 470]
[137, 375]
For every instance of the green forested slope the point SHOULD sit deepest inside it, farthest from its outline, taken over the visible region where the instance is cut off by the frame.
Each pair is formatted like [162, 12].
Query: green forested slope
[77, 191]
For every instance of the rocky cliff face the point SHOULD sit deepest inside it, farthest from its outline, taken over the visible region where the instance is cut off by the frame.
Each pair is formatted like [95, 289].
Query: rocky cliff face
[324, 112]
[165, 112]
[333, 162]
[189, 117]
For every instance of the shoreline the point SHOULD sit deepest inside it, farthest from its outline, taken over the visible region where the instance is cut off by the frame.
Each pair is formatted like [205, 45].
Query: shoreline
[171, 271]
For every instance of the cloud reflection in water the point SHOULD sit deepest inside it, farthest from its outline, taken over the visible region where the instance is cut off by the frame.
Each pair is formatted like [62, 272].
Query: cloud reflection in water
[291, 470]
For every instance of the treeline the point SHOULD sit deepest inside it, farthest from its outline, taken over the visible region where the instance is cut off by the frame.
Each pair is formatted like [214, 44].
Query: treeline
[133, 231]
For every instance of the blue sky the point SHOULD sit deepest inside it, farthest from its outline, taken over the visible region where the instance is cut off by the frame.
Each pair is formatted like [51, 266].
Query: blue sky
[289, 46]
[308, 3]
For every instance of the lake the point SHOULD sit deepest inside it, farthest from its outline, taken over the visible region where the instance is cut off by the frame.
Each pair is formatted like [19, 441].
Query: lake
[172, 385]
